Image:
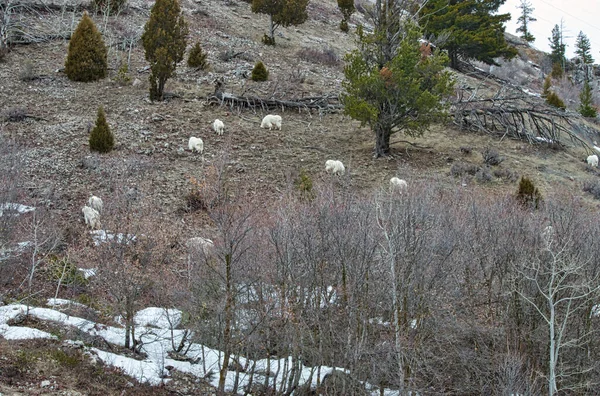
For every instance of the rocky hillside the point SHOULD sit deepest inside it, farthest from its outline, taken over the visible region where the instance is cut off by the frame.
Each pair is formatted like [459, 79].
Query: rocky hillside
[46, 119]
[50, 116]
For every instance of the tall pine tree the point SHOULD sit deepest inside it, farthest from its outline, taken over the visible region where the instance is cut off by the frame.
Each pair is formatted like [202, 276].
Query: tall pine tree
[390, 86]
[583, 49]
[347, 9]
[473, 28]
[557, 46]
[164, 41]
[524, 19]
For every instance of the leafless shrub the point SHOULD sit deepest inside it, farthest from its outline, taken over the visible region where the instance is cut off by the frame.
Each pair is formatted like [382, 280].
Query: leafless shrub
[463, 168]
[3, 53]
[592, 187]
[506, 174]
[491, 156]
[16, 114]
[27, 73]
[297, 76]
[326, 56]
[484, 175]
[229, 54]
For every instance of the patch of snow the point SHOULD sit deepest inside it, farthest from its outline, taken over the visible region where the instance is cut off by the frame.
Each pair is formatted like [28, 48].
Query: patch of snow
[543, 139]
[14, 208]
[528, 92]
[57, 302]
[163, 318]
[23, 333]
[88, 272]
[102, 236]
[156, 343]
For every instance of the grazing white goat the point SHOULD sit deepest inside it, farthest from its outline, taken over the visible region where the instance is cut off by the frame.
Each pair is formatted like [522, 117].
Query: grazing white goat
[91, 216]
[592, 160]
[335, 167]
[270, 120]
[95, 203]
[197, 244]
[196, 144]
[397, 184]
[218, 126]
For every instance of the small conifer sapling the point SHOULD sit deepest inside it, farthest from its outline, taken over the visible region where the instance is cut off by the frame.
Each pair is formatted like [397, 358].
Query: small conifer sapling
[101, 138]
[260, 72]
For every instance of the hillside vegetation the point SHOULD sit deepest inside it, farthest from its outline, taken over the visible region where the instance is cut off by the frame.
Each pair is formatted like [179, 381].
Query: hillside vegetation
[457, 285]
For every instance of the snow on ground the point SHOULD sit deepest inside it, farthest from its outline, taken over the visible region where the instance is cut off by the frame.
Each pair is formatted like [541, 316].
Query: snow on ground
[158, 337]
[14, 208]
[22, 333]
[101, 236]
[87, 272]
[158, 317]
[57, 302]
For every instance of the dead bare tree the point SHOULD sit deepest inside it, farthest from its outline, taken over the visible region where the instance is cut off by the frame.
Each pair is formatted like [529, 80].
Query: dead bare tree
[562, 291]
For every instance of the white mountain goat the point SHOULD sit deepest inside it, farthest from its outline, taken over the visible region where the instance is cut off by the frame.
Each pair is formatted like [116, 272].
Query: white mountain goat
[91, 216]
[335, 167]
[196, 144]
[592, 160]
[218, 126]
[270, 120]
[397, 184]
[95, 203]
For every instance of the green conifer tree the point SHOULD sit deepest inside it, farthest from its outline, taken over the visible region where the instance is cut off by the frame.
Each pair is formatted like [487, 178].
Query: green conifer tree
[557, 46]
[281, 13]
[586, 107]
[547, 85]
[554, 100]
[260, 72]
[164, 41]
[393, 88]
[473, 28]
[101, 138]
[583, 49]
[524, 19]
[527, 194]
[347, 9]
[87, 55]
[197, 57]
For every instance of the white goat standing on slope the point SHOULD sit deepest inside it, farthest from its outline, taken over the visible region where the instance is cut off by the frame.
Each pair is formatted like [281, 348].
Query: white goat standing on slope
[335, 167]
[196, 144]
[96, 203]
[270, 120]
[218, 126]
[397, 184]
[91, 216]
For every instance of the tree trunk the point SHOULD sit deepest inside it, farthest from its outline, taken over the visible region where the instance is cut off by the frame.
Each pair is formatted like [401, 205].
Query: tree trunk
[228, 323]
[272, 29]
[382, 143]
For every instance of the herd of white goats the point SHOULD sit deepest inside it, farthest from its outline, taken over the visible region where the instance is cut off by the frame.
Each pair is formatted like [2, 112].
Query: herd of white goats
[92, 211]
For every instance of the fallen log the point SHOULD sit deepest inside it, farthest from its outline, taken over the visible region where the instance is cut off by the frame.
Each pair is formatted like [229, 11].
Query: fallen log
[323, 104]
